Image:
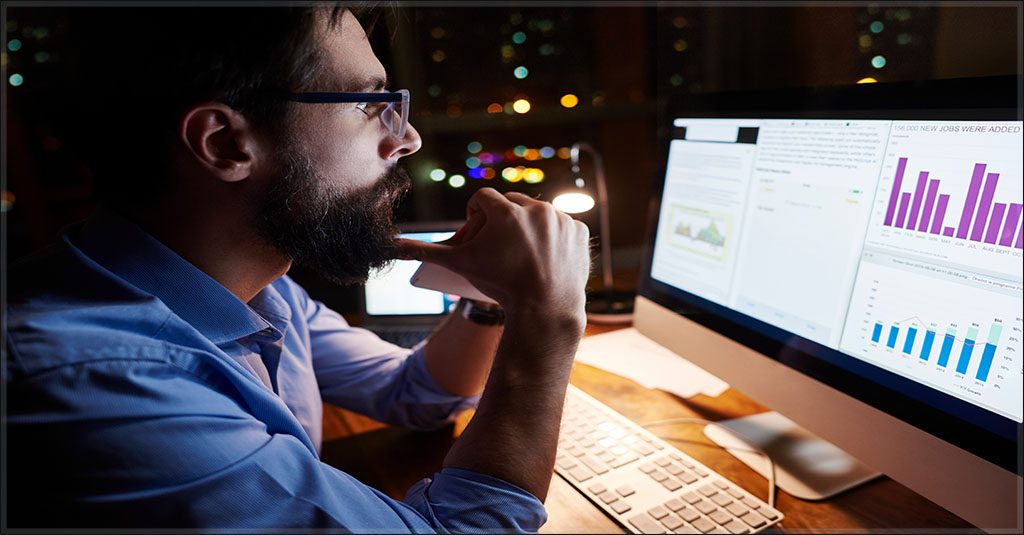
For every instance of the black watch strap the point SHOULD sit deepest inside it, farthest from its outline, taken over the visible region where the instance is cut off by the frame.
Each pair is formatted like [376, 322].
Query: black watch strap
[481, 313]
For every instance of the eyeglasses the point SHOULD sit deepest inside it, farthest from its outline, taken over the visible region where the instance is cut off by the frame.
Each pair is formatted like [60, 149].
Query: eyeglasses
[395, 114]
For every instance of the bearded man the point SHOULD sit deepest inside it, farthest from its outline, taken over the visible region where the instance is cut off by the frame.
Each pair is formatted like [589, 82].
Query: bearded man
[163, 370]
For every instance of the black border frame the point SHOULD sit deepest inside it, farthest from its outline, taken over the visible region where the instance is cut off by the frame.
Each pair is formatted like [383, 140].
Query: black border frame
[967, 426]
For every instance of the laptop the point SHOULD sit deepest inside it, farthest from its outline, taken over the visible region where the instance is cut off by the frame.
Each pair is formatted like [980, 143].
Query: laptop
[397, 311]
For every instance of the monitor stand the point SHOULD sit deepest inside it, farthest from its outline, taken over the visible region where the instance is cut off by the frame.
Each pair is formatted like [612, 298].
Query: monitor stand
[806, 466]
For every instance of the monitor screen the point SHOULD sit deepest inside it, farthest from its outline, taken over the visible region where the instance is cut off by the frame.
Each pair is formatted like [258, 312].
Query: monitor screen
[388, 292]
[882, 255]
[895, 242]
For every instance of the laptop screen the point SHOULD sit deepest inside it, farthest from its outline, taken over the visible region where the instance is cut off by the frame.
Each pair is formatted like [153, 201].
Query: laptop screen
[388, 292]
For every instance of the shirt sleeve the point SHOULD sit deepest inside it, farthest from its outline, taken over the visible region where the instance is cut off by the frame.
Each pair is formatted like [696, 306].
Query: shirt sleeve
[129, 443]
[358, 371]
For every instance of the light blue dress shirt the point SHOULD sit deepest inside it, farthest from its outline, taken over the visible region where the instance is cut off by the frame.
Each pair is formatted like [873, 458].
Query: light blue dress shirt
[141, 392]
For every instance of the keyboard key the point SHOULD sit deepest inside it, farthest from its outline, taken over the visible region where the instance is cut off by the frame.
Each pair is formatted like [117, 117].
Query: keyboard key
[643, 449]
[606, 457]
[721, 484]
[675, 504]
[607, 442]
[720, 516]
[687, 477]
[689, 514]
[664, 461]
[672, 522]
[736, 508]
[721, 499]
[618, 433]
[565, 462]
[658, 512]
[734, 493]
[768, 513]
[687, 463]
[674, 469]
[644, 524]
[691, 498]
[703, 524]
[608, 497]
[624, 460]
[593, 464]
[735, 526]
[671, 484]
[675, 456]
[700, 471]
[597, 488]
[620, 506]
[751, 503]
[705, 506]
[580, 474]
[606, 426]
[753, 519]
[625, 490]
[658, 476]
[708, 490]
[648, 468]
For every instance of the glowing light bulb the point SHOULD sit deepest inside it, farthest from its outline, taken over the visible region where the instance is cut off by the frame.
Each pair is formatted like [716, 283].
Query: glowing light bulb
[573, 203]
[521, 106]
[569, 100]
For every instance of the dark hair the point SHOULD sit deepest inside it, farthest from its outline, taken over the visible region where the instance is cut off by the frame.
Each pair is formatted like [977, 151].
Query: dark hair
[141, 67]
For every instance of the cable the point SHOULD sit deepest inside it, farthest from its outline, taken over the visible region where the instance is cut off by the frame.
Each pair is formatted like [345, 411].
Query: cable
[754, 447]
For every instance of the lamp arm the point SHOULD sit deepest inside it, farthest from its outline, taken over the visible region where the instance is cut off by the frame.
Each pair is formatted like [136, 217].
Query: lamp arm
[602, 207]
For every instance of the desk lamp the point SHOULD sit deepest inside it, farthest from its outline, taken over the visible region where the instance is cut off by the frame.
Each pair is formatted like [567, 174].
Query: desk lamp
[608, 306]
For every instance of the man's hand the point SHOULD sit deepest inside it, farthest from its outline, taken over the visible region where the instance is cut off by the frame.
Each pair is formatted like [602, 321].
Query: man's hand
[522, 252]
[534, 261]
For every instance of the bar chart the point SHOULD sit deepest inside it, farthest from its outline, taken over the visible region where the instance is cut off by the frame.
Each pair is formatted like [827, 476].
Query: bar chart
[959, 333]
[924, 210]
[952, 192]
[969, 345]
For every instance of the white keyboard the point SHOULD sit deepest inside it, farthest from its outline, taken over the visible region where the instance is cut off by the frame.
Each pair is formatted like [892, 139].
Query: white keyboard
[644, 483]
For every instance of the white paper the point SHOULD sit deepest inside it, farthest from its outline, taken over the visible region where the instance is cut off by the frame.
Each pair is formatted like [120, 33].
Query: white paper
[628, 353]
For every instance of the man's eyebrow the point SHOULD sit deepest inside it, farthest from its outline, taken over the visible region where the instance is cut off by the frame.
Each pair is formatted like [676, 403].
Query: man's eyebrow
[374, 84]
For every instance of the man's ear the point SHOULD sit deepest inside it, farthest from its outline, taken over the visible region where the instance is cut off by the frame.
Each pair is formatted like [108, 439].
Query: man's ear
[220, 140]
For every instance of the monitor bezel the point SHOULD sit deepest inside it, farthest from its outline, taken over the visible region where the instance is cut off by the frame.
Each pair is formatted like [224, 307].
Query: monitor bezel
[989, 98]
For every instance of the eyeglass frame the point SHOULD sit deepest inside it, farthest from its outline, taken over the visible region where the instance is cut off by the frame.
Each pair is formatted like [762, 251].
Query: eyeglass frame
[390, 97]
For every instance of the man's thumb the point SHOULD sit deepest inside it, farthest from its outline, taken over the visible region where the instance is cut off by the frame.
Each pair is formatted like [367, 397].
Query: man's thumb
[436, 253]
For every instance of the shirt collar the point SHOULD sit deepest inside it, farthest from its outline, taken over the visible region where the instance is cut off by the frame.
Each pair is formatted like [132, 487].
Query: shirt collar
[144, 262]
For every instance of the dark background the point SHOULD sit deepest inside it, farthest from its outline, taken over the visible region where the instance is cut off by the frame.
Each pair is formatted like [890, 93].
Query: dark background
[620, 62]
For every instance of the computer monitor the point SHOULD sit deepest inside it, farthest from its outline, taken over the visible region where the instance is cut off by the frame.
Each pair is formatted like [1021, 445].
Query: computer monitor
[852, 258]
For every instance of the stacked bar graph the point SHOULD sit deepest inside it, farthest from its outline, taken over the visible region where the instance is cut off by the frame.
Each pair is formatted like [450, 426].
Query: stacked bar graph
[968, 345]
[982, 219]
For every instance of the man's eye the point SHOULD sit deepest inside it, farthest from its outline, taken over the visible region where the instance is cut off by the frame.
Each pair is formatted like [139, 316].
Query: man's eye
[363, 107]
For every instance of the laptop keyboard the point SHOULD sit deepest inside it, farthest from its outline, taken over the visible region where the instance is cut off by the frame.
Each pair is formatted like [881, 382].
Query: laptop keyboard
[403, 336]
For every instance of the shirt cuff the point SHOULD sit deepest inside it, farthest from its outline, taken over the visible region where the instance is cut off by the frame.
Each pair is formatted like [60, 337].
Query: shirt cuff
[464, 501]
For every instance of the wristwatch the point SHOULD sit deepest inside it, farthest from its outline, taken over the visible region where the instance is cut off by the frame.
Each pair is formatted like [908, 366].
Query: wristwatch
[481, 313]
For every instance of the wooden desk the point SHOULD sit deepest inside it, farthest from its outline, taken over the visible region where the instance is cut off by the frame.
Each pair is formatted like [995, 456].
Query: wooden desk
[392, 459]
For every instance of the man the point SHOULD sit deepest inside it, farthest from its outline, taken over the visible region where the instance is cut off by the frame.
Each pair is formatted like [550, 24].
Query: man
[162, 369]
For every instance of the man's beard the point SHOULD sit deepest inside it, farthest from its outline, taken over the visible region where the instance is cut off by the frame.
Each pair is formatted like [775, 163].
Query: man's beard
[341, 236]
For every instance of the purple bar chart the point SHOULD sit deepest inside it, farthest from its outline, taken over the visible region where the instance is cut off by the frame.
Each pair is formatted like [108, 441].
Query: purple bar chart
[983, 218]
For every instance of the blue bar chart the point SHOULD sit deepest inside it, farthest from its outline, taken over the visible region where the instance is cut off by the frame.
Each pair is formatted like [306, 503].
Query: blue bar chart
[969, 345]
[957, 332]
